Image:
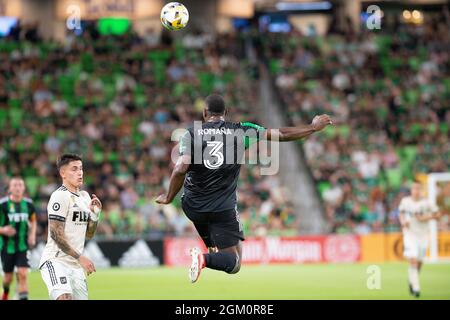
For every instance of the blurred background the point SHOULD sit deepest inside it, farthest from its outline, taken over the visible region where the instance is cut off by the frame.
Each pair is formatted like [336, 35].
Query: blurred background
[101, 78]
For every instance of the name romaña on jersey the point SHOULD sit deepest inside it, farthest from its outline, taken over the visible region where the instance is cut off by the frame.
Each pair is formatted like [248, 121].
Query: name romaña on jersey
[214, 131]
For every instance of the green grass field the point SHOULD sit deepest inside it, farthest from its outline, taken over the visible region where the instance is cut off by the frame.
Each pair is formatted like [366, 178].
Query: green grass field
[339, 281]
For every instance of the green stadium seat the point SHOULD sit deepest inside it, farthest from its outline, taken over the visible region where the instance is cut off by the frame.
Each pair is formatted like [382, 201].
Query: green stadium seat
[140, 100]
[159, 55]
[394, 177]
[138, 138]
[206, 81]
[16, 116]
[113, 156]
[228, 76]
[87, 62]
[14, 103]
[443, 127]
[32, 184]
[3, 116]
[446, 84]
[410, 152]
[432, 128]
[323, 186]
[98, 156]
[416, 129]
[412, 96]
[344, 130]
[274, 66]
[414, 63]
[330, 131]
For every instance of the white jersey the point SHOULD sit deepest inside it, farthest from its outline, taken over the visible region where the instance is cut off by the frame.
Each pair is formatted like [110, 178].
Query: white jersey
[412, 209]
[73, 209]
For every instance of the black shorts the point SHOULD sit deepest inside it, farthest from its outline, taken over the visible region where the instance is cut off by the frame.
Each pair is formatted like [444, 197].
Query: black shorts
[217, 229]
[18, 259]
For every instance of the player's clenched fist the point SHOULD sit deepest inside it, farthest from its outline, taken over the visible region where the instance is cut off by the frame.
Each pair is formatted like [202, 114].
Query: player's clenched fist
[87, 264]
[162, 199]
[320, 122]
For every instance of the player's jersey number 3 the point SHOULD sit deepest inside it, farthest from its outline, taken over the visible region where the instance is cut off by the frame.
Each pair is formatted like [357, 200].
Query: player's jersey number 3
[215, 155]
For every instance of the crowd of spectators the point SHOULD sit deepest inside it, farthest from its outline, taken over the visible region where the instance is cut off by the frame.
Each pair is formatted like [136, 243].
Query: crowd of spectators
[389, 96]
[116, 100]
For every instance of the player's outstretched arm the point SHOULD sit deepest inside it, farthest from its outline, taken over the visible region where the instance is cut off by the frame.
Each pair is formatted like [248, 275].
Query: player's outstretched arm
[297, 133]
[176, 180]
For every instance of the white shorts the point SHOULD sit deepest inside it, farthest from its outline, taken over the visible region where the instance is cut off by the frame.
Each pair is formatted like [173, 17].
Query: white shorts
[415, 245]
[61, 279]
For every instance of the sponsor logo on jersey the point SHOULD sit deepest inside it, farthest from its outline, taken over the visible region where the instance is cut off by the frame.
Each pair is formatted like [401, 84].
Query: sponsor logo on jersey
[17, 216]
[80, 216]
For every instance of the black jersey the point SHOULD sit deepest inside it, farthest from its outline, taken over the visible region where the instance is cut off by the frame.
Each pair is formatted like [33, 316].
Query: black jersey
[216, 149]
[16, 215]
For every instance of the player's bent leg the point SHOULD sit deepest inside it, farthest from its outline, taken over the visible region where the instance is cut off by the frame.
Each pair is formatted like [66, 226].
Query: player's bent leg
[237, 252]
[227, 235]
[226, 259]
[22, 275]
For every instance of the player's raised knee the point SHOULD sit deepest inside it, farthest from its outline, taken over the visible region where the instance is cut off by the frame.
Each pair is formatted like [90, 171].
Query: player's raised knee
[236, 269]
[237, 266]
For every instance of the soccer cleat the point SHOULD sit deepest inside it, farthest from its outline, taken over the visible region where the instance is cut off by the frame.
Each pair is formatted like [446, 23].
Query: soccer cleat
[415, 294]
[197, 264]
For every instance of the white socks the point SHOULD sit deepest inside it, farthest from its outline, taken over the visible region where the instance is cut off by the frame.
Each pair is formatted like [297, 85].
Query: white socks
[413, 274]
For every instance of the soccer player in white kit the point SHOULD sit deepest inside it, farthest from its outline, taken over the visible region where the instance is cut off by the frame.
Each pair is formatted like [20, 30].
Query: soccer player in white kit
[415, 213]
[73, 218]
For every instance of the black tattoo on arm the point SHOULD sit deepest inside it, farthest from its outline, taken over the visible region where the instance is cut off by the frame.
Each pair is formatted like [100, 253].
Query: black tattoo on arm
[91, 228]
[57, 234]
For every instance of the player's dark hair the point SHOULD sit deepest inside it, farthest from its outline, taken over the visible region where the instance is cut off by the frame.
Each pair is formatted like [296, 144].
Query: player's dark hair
[66, 158]
[216, 104]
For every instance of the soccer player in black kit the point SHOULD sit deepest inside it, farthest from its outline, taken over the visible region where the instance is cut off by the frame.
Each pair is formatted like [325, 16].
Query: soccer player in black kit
[209, 166]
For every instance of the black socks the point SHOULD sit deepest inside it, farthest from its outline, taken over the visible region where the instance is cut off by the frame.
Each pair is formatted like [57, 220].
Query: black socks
[224, 261]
